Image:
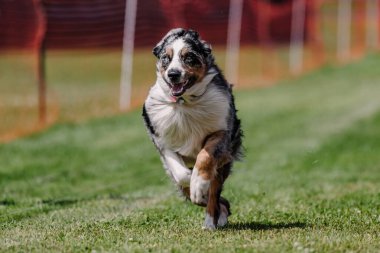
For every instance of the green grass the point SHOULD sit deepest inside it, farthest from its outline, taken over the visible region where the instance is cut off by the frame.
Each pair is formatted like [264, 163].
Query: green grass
[310, 181]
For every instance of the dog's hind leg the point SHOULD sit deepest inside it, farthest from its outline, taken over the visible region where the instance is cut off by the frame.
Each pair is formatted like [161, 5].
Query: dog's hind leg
[213, 207]
[217, 206]
[224, 212]
[224, 204]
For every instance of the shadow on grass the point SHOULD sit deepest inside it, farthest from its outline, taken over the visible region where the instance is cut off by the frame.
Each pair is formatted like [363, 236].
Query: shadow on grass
[7, 202]
[263, 226]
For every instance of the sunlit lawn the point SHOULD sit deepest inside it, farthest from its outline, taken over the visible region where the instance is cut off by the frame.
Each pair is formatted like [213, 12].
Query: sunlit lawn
[310, 181]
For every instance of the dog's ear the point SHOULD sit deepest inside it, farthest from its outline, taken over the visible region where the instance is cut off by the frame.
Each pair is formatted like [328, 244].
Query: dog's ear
[174, 33]
[207, 52]
[206, 47]
[193, 34]
[158, 48]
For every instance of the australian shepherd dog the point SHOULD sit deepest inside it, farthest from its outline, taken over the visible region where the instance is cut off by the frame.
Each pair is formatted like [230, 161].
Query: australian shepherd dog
[191, 118]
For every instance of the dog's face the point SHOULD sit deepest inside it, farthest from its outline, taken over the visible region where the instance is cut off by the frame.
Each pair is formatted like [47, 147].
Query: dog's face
[183, 60]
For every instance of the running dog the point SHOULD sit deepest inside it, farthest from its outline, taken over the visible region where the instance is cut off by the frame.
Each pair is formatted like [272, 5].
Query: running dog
[191, 118]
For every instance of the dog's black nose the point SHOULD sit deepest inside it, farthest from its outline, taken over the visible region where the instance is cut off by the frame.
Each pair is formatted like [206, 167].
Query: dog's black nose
[174, 75]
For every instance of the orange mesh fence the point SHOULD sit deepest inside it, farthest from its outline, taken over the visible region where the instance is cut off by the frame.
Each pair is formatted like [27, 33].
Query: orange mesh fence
[82, 49]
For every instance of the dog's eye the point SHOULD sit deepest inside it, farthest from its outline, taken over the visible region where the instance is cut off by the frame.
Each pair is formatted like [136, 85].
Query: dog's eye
[165, 60]
[191, 59]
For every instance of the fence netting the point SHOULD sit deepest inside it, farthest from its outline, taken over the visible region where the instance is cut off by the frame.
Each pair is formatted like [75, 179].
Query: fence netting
[75, 48]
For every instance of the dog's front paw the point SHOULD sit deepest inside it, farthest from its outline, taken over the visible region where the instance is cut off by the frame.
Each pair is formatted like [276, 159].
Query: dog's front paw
[198, 188]
[183, 178]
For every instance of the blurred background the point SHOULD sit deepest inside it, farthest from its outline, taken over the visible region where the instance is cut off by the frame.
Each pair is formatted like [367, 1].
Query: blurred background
[71, 60]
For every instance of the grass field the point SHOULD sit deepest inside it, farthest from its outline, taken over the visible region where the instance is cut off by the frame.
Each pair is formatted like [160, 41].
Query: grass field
[310, 181]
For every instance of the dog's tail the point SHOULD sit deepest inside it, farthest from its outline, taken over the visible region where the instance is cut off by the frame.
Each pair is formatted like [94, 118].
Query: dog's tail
[236, 141]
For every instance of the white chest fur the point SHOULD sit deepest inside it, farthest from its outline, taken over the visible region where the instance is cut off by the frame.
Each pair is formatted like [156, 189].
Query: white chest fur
[182, 127]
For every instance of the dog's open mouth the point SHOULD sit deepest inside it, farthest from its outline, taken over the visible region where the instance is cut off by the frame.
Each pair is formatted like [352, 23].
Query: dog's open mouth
[178, 89]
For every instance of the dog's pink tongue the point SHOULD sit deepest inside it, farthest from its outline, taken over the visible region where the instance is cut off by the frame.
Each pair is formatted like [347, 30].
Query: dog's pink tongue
[177, 89]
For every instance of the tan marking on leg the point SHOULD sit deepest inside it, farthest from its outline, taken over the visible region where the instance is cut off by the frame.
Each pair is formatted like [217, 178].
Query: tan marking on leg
[206, 162]
[211, 144]
[206, 165]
